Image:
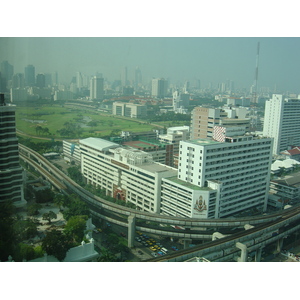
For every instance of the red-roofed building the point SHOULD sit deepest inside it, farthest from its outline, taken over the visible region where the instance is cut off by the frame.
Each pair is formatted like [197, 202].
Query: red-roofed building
[292, 153]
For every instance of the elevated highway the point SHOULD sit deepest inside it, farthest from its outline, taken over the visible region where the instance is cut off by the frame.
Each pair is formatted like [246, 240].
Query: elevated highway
[138, 220]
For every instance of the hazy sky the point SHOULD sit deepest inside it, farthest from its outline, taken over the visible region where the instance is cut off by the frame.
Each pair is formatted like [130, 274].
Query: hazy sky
[208, 59]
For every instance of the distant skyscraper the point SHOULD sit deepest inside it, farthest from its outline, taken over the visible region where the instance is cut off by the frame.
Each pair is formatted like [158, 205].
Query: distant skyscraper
[7, 70]
[40, 80]
[30, 75]
[180, 100]
[48, 80]
[159, 87]
[282, 122]
[18, 80]
[55, 78]
[96, 88]
[137, 77]
[124, 78]
[11, 173]
[79, 80]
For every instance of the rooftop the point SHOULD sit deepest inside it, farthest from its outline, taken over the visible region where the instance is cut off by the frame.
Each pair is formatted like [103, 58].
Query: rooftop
[188, 185]
[99, 144]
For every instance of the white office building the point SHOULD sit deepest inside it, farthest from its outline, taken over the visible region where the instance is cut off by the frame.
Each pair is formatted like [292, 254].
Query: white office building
[282, 122]
[96, 88]
[126, 174]
[219, 178]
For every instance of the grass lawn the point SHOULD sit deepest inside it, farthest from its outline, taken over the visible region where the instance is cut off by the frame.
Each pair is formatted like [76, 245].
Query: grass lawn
[54, 117]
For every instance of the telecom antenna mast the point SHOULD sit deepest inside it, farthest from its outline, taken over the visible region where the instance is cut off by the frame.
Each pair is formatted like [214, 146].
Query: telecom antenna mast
[254, 96]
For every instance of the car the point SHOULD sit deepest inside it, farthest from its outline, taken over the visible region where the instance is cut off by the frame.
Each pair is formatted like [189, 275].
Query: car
[152, 248]
[174, 248]
[123, 234]
[154, 254]
[152, 240]
[157, 247]
[138, 232]
[144, 243]
[137, 239]
[160, 253]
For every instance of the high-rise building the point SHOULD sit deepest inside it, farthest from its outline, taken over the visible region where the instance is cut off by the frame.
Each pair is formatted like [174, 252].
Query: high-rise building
[18, 81]
[282, 122]
[180, 100]
[11, 173]
[96, 88]
[159, 87]
[204, 119]
[7, 70]
[218, 178]
[137, 78]
[124, 79]
[30, 75]
[40, 80]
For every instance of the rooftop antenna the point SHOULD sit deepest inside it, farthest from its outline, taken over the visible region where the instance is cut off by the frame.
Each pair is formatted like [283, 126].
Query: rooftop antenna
[254, 96]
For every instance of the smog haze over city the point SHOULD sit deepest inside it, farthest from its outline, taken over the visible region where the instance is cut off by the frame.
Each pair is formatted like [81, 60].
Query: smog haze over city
[178, 59]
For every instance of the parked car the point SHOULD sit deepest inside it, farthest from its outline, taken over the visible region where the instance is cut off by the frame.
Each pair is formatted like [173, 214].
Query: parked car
[154, 254]
[174, 248]
[160, 253]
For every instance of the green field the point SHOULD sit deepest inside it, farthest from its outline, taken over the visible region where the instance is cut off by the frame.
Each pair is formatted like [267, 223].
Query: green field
[55, 117]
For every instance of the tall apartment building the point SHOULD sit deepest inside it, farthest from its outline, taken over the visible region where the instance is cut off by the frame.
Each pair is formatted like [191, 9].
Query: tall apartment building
[126, 174]
[40, 80]
[217, 178]
[30, 75]
[282, 122]
[96, 88]
[11, 173]
[180, 100]
[129, 110]
[159, 87]
[204, 119]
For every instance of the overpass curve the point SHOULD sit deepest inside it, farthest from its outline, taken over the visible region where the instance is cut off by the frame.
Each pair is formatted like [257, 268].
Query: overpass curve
[62, 181]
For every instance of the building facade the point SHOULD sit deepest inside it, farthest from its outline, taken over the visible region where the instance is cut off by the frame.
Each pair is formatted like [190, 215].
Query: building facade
[11, 173]
[126, 174]
[129, 110]
[229, 176]
[159, 87]
[96, 88]
[204, 119]
[282, 122]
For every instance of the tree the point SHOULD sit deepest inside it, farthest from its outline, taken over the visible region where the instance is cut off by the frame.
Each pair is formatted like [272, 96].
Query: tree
[75, 228]
[60, 200]
[56, 243]
[106, 256]
[33, 209]
[76, 207]
[44, 196]
[24, 251]
[49, 216]
[7, 234]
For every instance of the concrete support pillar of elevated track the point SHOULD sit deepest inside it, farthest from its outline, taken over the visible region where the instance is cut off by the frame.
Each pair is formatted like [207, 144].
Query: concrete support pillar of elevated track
[131, 230]
[186, 243]
[258, 255]
[244, 252]
[279, 244]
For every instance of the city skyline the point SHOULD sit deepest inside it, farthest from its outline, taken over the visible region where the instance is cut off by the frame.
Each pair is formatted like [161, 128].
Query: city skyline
[210, 60]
